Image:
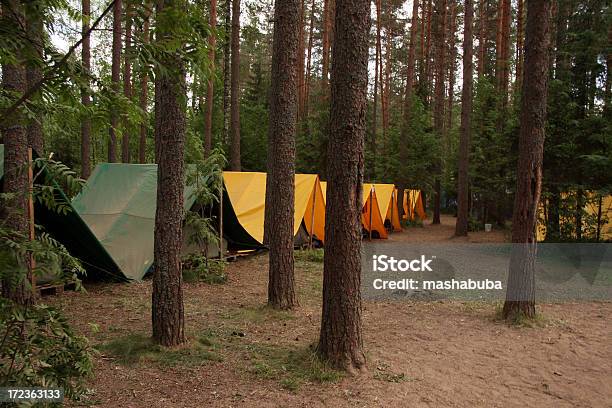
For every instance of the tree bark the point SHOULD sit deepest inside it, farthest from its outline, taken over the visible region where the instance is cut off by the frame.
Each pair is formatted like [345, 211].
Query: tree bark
[481, 37]
[168, 315]
[440, 70]
[35, 32]
[520, 294]
[85, 97]
[451, 68]
[377, 64]
[15, 140]
[127, 80]
[428, 71]
[115, 80]
[327, 22]
[281, 153]
[212, 43]
[226, 70]
[144, 90]
[461, 227]
[309, 66]
[341, 341]
[301, 69]
[409, 92]
[519, 43]
[235, 91]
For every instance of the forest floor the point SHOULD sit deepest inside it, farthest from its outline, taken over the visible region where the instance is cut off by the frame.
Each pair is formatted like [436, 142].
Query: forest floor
[420, 354]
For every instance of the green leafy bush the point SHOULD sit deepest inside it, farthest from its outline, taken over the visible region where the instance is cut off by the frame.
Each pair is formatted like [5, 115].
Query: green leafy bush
[40, 349]
[198, 268]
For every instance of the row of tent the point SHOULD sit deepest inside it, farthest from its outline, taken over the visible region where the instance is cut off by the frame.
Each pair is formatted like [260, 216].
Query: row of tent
[110, 226]
[118, 204]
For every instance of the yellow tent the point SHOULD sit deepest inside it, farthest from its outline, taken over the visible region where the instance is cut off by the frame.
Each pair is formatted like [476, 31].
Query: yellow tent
[387, 197]
[369, 203]
[591, 208]
[247, 193]
[413, 205]
[371, 215]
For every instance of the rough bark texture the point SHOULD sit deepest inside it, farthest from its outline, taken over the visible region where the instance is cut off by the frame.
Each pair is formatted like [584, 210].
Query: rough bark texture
[520, 295]
[212, 43]
[235, 91]
[341, 341]
[309, 66]
[519, 43]
[127, 80]
[115, 80]
[481, 37]
[451, 69]
[168, 314]
[144, 90]
[301, 69]
[226, 69]
[461, 228]
[15, 152]
[281, 153]
[34, 23]
[327, 22]
[85, 97]
[440, 64]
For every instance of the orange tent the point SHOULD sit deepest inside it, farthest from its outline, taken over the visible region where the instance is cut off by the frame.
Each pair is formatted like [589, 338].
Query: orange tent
[413, 205]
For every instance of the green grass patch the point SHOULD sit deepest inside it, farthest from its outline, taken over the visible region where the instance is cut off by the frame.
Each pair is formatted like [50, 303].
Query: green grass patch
[138, 349]
[257, 314]
[310, 255]
[290, 367]
[520, 319]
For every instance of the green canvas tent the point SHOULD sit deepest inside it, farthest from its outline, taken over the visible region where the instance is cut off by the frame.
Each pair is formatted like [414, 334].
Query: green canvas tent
[118, 203]
[72, 232]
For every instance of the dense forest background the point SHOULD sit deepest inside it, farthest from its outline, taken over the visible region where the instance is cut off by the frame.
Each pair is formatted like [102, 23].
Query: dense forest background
[414, 97]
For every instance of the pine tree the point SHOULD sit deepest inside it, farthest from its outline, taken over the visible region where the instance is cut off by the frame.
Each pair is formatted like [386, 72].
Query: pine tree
[235, 89]
[520, 294]
[281, 153]
[461, 227]
[170, 127]
[341, 341]
[85, 97]
[115, 80]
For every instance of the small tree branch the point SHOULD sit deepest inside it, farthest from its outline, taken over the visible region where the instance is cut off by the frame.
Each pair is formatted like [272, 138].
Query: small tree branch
[50, 74]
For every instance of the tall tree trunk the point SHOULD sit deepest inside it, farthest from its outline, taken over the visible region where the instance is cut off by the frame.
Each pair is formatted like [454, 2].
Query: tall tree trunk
[428, 68]
[327, 23]
[482, 16]
[461, 227]
[520, 294]
[440, 70]
[85, 97]
[451, 68]
[34, 23]
[15, 153]
[127, 80]
[168, 314]
[235, 91]
[385, 81]
[281, 153]
[377, 64]
[409, 93]
[519, 43]
[309, 66]
[212, 43]
[115, 80]
[226, 70]
[341, 341]
[144, 85]
[301, 70]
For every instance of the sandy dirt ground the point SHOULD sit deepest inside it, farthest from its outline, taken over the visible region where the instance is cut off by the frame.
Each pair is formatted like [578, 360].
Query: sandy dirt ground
[420, 354]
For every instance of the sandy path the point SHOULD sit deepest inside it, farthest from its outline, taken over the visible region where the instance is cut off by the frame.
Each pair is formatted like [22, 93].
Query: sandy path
[442, 354]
